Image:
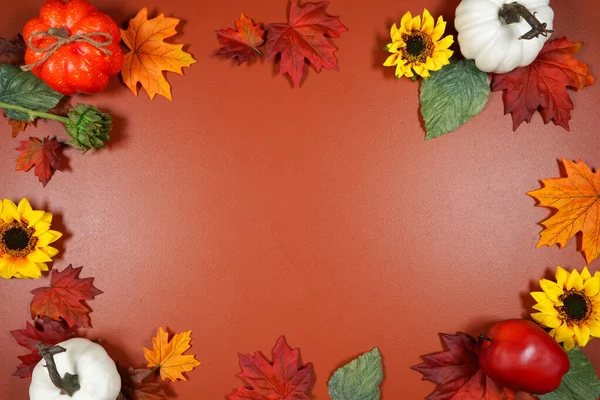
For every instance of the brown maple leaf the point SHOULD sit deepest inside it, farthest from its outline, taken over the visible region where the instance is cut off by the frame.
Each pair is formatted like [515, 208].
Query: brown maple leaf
[457, 373]
[63, 299]
[12, 51]
[45, 155]
[150, 55]
[543, 84]
[305, 37]
[242, 42]
[135, 385]
[577, 201]
[18, 126]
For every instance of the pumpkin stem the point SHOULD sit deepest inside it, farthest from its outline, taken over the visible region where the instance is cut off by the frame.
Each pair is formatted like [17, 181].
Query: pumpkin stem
[512, 13]
[484, 337]
[68, 384]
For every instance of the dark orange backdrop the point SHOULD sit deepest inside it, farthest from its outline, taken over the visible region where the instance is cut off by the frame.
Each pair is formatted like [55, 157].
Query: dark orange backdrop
[244, 209]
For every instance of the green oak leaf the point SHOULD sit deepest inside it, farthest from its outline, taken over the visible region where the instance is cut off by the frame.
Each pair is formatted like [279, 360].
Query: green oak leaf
[452, 96]
[580, 383]
[359, 379]
[24, 89]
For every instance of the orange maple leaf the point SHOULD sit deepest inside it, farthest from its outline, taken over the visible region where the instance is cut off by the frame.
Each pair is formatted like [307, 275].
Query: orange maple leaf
[150, 56]
[18, 126]
[168, 355]
[576, 198]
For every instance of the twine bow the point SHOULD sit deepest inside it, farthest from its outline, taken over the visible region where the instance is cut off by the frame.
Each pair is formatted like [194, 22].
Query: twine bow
[62, 38]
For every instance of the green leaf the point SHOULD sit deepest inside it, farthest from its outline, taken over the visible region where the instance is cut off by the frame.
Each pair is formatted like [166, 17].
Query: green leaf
[24, 89]
[580, 383]
[452, 96]
[359, 379]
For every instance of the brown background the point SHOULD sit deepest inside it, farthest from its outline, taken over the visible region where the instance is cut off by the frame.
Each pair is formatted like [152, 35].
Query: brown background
[245, 209]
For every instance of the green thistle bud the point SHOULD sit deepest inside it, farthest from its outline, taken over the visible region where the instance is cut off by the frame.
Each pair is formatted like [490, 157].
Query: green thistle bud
[88, 127]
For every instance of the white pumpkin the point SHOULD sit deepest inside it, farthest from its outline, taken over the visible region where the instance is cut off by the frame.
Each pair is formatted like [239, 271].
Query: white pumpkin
[497, 46]
[96, 371]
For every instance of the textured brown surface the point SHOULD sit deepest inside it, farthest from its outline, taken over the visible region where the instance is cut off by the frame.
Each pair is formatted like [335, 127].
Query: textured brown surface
[245, 209]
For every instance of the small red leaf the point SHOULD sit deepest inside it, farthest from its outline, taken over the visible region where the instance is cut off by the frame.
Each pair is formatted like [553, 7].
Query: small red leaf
[457, 373]
[242, 43]
[305, 37]
[18, 126]
[43, 330]
[542, 85]
[63, 299]
[281, 379]
[44, 154]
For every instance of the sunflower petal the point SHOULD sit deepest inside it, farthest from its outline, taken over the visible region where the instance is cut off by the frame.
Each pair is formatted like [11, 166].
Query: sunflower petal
[7, 268]
[543, 319]
[9, 211]
[575, 281]
[539, 296]
[594, 328]
[562, 276]
[585, 273]
[547, 307]
[394, 31]
[438, 31]
[28, 269]
[428, 22]
[51, 251]
[563, 333]
[553, 291]
[591, 287]
[38, 256]
[416, 23]
[24, 206]
[48, 237]
[569, 344]
[405, 23]
[445, 43]
[582, 334]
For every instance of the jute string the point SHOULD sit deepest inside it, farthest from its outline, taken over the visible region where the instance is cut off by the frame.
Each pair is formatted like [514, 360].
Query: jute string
[61, 40]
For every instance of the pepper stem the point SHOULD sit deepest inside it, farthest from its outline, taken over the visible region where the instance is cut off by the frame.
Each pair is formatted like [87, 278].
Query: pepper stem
[512, 13]
[68, 384]
[484, 337]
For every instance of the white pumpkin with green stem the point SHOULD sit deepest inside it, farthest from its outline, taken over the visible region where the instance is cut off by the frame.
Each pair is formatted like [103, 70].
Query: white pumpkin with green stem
[77, 369]
[501, 35]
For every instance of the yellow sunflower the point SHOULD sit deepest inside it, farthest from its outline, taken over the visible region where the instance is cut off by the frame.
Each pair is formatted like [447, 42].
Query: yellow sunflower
[570, 307]
[418, 46]
[25, 236]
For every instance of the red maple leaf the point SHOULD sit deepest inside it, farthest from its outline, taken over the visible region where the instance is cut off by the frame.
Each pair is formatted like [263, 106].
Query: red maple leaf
[457, 373]
[242, 43]
[44, 154]
[134, 387]
[542, 85]
[281, 379]
[305, 37]
[43, 330]
[63, 299]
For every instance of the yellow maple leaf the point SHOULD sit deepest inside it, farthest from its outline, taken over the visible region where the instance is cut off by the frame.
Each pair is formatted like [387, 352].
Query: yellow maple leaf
[168, 355]
[150, 56]
[576, 198]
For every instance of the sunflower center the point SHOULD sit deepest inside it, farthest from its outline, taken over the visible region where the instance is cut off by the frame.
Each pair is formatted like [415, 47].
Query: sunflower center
[16, 239]
[419, 46]
[576, 307]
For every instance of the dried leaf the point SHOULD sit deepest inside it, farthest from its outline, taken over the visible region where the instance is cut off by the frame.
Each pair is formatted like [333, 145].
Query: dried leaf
[242, 43]
[45, 155]
[168, 355]
[12, 51]
[150, 56]
[63, 299]
[578, 210]
[457, 373]
[305, 37]
[18, 126]
[542, 85]
[43, 330]
[134, 386]
[281, 379]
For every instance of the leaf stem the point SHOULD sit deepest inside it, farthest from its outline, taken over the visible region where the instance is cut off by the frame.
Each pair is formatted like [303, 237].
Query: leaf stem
[34, 114]
[150, 372]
